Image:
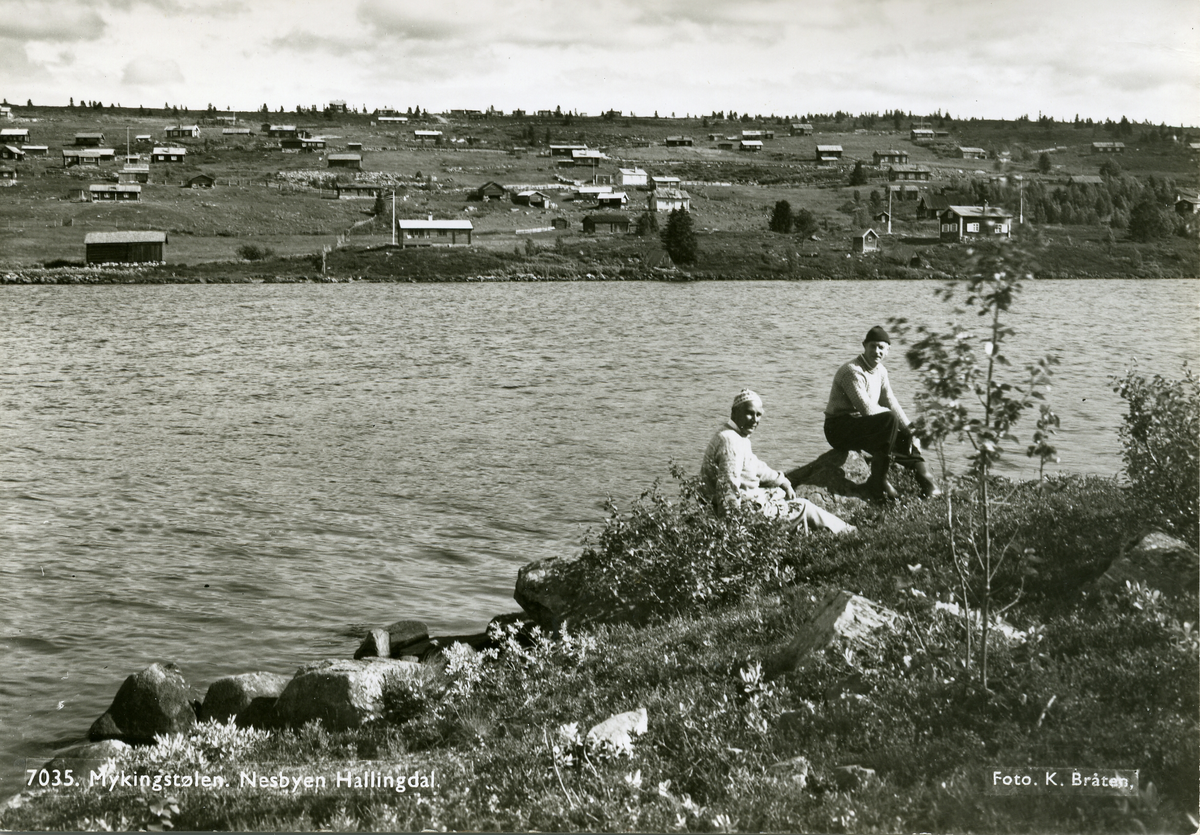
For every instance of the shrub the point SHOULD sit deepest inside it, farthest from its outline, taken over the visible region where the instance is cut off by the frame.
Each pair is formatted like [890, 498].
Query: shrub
[1161, 435]
[254, 252]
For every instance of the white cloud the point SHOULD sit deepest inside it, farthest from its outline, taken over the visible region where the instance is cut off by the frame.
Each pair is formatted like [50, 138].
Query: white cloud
[149, 71]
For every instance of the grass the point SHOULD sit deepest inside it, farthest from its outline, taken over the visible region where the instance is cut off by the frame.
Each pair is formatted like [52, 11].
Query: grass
[1101, 681]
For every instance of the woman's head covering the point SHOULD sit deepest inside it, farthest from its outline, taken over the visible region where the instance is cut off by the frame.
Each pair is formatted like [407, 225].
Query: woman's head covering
[747, 396]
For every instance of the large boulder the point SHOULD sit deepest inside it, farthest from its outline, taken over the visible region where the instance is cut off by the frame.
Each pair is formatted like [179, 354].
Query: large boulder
[843, 616]
[233, 695]
[546, 591]
[1160, 562]
[834, 481]
[405, 633]
[341, 694]
[377, 644]
[82, 759]
[155, 701]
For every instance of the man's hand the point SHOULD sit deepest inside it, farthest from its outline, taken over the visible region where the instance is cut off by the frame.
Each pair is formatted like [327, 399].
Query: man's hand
[788, 492]
[916, 444]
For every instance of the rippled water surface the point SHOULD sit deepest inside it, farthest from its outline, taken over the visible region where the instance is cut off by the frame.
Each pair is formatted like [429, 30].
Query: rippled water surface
[241, 477]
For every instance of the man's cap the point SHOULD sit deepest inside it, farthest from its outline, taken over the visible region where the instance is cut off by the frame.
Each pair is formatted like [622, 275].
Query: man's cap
[878, 334]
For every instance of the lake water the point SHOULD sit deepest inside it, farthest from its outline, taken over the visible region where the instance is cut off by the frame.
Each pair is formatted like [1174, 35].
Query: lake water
[241, 477]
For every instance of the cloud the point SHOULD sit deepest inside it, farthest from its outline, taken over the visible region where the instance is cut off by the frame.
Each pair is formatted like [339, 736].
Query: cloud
[148, 71]
[413, 22]
[49, 21]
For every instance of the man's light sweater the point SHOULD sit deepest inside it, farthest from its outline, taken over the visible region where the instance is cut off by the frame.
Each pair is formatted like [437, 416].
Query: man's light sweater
[860, 391]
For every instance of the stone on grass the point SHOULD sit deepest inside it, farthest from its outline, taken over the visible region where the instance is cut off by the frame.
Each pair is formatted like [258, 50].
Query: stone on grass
[545, 591]
[154, 701]
[834, 481]
[377, 644]
[841, 615]
[850, 777]
[233, 695]
[88, 757]
[615, 734]
[1160, 562]
[796, 769]
[341, 694]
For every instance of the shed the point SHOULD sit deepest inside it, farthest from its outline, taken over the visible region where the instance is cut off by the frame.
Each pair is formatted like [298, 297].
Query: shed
[120, 192]
[124, 247]
[607, 222]
[134, 174]
[424, 136]
[1187, 204]
[235, 131]
[829, 153]
[8, 174]
[168, 155]
[972, 153]
[931, 206]
[11, 152]
[801, 129]
[612, 199]
[354, 146]
[359, 191]
[344, 161]
[72, 156]
[679, 141]
[36, 150]
[537, 199]
[89, 140]
[560, 223]
[200, 181]
[750, 145]
[867, 241]
[432, 232]
[921, 135]
[491, 190]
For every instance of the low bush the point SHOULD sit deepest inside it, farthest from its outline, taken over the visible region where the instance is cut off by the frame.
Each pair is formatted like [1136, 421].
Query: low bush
[1161, 435]
[254, 252]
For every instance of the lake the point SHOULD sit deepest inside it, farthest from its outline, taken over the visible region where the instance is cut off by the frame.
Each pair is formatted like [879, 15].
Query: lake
[244, 477]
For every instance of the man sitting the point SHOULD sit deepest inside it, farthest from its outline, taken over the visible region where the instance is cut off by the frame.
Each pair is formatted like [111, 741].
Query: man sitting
[864, 414]
[731, 473]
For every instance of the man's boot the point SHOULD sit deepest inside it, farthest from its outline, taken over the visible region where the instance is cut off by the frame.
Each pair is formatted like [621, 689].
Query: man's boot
[877, 486]
[929, 488]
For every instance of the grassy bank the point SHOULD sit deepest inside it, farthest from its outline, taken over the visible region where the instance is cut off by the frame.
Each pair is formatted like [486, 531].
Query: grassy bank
[1095, 679]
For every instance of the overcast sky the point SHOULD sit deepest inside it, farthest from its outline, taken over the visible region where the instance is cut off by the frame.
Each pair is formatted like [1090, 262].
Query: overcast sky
[1097, 58]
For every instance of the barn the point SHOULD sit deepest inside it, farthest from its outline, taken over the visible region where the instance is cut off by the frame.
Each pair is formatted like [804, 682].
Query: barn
[124, 247]
[344, 161]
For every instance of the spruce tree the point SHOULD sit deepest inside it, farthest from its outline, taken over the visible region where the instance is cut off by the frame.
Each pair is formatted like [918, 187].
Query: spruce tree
[679, 238]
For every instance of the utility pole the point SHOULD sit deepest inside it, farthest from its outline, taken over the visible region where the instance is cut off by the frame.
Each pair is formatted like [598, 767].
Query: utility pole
[889, 188]
[393, 217]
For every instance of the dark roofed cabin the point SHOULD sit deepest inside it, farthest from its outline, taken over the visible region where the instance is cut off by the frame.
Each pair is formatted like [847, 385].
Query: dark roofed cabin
[124, 247]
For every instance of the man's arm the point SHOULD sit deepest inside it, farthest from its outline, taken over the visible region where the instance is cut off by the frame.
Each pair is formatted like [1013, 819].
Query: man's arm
[888, 398]
[854, 385]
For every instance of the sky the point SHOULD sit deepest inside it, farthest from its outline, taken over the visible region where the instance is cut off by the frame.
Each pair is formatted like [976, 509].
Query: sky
[1096, 58]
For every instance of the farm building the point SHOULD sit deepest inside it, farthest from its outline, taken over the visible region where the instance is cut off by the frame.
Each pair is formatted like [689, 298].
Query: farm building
[279, 131]
[658, 181]
[750, 145]
[124, 247]
[354, 146]
[490, 190]
[560, 223]
[725, 145]
[73, 157]
[565, 150]
[344, 161]
[36, 150]
[182, 132]
[909, 172]
[432, 232]
[14, 136]
[612, 199]
[668, 200]
[931, 206]
[868, 241]
[134, 174]
[962, 222]
[680, 142]
[89, 140]
[8, 175]
[106, 154]
[11, 152]
[632, 176]
[801, 129]
[143, 139]
[1085, 180]
[168, 155]
[607, 222]
[829, 153]
[119, 192]
[359, 191]
[1187, 204]
[1108, 147]
[890, 158]
[537, 199]
[424, 136]
[200, 181]
[972, 153]
[921, 135]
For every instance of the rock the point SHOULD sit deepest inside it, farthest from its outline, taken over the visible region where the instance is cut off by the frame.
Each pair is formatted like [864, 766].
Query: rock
[341, 694]
[796, 769]
[155, 701]
[432, 648]
[232, 695]
[260, 713]
[850, 777]
[402, 633]
[615, 734]
[519, 619]
[84, 758]
[834, 481]
[1160, 562]
[842, 615]
[378, 644]
[545, 591]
